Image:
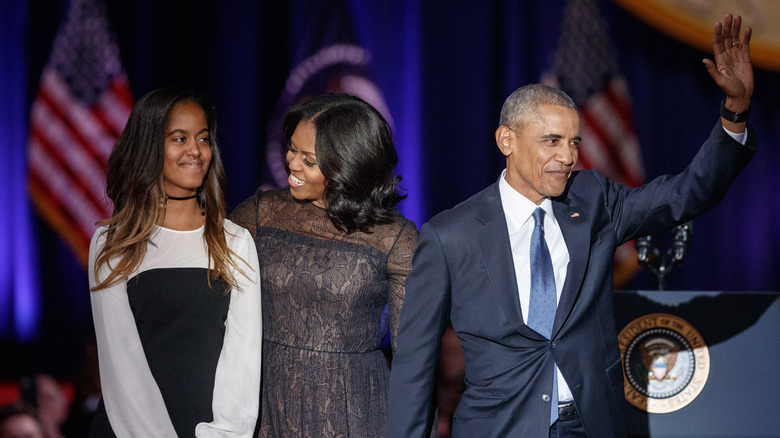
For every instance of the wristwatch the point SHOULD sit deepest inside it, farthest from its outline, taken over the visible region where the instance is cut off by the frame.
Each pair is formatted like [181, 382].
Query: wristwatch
[739, 117]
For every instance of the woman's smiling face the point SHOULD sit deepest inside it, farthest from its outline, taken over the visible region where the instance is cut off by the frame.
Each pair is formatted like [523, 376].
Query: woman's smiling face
[187, 150]
[307, 183]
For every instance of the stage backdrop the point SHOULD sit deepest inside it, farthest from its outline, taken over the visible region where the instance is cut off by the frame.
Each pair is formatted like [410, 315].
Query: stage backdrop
[444, 69]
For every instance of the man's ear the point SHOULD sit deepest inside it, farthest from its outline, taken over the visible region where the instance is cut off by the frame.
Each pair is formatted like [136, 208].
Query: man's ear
[504, 140]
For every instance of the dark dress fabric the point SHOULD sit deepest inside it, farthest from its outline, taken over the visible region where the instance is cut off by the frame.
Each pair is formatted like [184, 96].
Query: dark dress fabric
[181, 323]
[329, 299]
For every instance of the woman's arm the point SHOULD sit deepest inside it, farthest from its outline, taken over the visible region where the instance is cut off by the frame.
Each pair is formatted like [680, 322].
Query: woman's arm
[399, 263]
[236, 399]
[133, 401]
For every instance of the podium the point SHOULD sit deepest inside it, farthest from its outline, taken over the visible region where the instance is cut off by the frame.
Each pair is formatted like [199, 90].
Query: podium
[700, 364]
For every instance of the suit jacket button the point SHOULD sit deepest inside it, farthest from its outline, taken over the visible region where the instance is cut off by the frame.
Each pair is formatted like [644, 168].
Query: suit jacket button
[545, 397]
[552, 344]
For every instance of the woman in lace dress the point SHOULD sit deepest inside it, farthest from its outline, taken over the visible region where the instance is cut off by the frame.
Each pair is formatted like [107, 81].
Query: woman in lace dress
[175, 286]
[334, 253]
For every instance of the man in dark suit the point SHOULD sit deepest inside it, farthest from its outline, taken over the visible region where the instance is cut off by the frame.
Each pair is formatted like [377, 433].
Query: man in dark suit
[480, 265]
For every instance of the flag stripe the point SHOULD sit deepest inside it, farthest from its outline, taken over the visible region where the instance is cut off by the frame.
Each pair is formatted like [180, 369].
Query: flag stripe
[53, 141]
[70, 199]
[113, 106]
[55, 131]
[119, 88]
[608, 161]
[616, 134]
[612, 166]
[617, 94]
[590, 152]
[58, 218]
[83, 122]
[79, 196]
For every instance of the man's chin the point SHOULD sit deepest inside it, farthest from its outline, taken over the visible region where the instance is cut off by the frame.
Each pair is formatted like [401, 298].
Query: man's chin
[556, 192]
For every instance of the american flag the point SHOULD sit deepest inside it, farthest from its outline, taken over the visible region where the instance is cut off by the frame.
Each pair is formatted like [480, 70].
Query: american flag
[585, 68]
[81, 107]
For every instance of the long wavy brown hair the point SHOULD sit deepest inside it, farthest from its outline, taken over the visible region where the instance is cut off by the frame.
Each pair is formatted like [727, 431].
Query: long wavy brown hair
[134, 174]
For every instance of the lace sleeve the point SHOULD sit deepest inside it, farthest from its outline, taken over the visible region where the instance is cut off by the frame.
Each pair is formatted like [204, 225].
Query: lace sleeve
[399, 263]
[245, 214]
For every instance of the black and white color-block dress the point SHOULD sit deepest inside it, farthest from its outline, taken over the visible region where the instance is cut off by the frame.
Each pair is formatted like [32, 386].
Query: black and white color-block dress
[178, 357]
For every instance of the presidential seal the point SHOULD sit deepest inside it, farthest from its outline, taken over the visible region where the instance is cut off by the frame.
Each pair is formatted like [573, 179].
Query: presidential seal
[665, 362]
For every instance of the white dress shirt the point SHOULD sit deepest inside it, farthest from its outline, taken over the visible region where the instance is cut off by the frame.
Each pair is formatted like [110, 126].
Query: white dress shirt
[518, 211]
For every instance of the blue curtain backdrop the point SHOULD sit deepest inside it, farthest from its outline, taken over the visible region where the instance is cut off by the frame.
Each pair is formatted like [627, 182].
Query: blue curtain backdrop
[19, 297]
[444, 67]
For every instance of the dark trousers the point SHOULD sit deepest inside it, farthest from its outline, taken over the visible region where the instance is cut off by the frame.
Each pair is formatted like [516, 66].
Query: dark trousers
[568, 429]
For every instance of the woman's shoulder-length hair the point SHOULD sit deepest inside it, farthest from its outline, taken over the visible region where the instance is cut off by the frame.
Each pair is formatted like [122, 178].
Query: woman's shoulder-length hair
[356, 155]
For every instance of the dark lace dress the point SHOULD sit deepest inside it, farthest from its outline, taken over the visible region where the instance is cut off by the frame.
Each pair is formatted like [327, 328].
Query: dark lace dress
[329, 299]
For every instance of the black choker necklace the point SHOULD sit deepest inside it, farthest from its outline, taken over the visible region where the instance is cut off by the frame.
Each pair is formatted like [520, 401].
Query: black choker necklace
[181, 198]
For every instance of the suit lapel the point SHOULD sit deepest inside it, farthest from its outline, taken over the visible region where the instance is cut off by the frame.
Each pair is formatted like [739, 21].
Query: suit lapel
[493, 242]
[576, 234]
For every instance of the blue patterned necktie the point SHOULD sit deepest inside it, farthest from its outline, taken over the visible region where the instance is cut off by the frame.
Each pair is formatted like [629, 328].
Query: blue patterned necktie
[542, 305]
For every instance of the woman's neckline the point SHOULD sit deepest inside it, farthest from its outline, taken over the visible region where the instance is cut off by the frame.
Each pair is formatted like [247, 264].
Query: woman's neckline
[181, 231]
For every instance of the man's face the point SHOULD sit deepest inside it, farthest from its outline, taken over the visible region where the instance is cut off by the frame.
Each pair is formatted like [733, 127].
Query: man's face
[542, 152]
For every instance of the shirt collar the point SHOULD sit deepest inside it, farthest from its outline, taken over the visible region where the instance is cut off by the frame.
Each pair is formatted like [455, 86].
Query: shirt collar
[517, 208]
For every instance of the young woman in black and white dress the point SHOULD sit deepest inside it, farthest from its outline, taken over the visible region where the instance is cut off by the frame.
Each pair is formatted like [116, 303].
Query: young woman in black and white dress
[175, 286]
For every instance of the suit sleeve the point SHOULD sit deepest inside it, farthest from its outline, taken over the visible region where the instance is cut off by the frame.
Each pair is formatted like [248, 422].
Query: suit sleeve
[133, 402]
[423, 318]
[668, 201]
[236, 398]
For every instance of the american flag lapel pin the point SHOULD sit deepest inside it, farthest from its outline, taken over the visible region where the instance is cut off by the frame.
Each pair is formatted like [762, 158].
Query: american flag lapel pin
[575, 214]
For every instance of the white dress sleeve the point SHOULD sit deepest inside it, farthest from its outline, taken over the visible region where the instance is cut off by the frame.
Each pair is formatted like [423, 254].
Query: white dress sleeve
[133, 401]
[236, 398]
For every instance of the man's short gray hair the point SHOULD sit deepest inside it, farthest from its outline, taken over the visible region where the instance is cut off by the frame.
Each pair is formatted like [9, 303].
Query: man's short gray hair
[522, 105]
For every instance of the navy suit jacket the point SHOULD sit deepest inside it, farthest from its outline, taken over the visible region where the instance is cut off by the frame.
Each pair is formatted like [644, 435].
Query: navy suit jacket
[462, 271]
